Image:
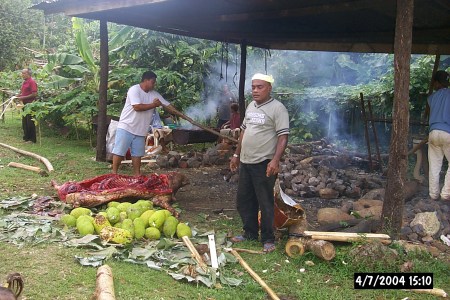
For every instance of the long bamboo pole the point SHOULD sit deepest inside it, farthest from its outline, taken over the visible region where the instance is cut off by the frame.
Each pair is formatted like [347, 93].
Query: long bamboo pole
[254, 275]
[174, 111]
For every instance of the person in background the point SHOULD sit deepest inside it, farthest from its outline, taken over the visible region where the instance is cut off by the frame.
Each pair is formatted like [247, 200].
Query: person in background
[235, 118]
[28, 94]
[224, 109]
[135, 120]
[439, 137]
[262, 142]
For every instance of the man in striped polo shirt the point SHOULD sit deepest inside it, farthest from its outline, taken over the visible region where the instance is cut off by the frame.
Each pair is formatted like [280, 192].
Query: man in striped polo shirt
[263, 139]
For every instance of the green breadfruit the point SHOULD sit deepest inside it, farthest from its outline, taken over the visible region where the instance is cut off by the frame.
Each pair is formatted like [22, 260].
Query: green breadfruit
[157, 219]
[134, 211]
[84, 225]
[122, 216]
[127, 224]
[103, 213]
[69, 220]
[113, 215]
[146, 215]
[145, 204]
[166, 213]
[183, 230]
[170, 226]
[113, 204]
[116, 235]
[139, 228]
[100, 221]
[118, 225]
[152, 233]
[123, 206]
[80, 211]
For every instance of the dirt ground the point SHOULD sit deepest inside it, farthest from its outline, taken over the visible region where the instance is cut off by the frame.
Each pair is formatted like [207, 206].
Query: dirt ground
[209, 193]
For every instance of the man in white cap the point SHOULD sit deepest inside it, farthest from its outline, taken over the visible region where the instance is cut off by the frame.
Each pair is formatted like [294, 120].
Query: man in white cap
[262, 142]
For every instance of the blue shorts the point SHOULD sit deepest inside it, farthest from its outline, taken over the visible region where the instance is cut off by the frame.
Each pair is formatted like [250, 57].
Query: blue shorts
[125, 140]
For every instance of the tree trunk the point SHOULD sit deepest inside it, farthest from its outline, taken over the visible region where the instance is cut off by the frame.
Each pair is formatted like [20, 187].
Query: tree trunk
[242, 80]
[103, 90]
[396, 176]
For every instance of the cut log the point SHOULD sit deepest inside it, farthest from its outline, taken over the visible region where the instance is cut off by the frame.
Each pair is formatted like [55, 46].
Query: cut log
[38, 157]
[105, 284]
[27, 167]
[433, 291]
[320, 248]
[295, 247]
[254, 275]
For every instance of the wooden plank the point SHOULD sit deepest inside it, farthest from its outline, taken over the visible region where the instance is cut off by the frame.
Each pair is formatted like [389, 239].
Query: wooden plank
[347, 234]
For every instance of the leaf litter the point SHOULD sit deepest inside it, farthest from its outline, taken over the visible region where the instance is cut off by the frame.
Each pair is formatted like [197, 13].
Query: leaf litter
[34, 220]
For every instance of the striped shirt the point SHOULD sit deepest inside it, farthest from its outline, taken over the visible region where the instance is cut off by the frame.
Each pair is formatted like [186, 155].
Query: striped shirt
[263, 124]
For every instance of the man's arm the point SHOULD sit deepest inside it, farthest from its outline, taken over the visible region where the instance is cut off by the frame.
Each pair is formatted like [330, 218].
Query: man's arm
[234, 163]
[30, 96]
[274, 165]
[143, 107]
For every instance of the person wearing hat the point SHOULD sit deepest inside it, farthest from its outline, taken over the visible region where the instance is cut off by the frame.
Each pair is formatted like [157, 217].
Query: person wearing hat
[263, 139]
[439, 137]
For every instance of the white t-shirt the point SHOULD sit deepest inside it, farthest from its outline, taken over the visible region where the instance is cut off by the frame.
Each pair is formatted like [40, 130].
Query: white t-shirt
[138, 122]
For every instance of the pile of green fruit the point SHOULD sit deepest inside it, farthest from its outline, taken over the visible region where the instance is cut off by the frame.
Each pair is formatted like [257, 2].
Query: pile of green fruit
[122, 222]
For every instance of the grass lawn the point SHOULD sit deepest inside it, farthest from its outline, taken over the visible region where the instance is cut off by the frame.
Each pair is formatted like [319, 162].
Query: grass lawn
[51, 272]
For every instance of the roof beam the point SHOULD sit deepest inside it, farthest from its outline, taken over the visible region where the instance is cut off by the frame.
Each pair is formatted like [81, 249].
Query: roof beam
[299, 12]
[104, 5]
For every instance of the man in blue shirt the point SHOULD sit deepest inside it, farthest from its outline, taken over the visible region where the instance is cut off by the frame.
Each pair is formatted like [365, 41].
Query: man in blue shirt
[439, 137]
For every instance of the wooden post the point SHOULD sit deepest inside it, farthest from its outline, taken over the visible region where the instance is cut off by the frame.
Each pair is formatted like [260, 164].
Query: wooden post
[102, 93]
[375, 135]
[392, 213]
[437, 60]
[366, 130]
[242, 80]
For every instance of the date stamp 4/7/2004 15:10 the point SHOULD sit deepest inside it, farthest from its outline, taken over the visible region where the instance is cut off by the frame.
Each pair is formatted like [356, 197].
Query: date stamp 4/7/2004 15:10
[393, 280]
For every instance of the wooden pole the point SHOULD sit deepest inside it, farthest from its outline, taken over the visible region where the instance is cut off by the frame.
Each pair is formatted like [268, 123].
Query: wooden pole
[27, 167]
[105, 284]
[366, 130]
[195, 253]
[375, 135]
[102, 93]
[38, 157]
[437, 60]
[392, 213]
[418, 146]
[254, 275]
[174, 111]
[242, 80]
